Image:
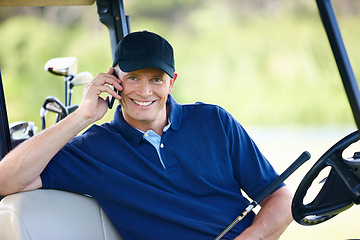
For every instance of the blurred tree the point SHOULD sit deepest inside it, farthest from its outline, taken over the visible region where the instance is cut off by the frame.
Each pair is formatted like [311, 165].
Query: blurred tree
[175, 10]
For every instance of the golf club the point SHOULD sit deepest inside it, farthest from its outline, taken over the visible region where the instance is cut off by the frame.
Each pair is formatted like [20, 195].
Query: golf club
[54, 105]
[66, 67]
[81, 78]
[271, 188]
[22, 129]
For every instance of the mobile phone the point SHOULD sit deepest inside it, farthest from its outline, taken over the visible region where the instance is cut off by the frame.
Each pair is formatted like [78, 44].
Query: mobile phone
[111, 99]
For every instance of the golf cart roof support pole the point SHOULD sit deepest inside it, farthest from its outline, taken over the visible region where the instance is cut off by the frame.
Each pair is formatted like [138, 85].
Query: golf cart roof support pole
[5, 144]
[342, 60]
[112, 14]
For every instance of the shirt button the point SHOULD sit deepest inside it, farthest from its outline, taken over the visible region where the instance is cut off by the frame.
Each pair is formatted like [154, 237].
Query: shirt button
[161, 145]
[146, 135]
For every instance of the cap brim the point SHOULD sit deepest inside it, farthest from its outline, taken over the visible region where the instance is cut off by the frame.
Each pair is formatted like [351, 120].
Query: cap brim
[133, 65]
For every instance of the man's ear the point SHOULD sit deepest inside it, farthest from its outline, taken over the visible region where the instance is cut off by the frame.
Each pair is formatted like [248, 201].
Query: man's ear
[172, 82]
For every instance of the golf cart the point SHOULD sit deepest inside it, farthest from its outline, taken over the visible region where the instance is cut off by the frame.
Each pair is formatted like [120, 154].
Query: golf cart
[82, 217]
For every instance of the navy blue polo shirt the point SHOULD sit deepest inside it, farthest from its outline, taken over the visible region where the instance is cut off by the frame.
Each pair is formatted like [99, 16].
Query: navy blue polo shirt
[208, 159]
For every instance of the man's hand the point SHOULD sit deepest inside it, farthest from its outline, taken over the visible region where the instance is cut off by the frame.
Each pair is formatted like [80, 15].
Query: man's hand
[20, 169]
[93, 107]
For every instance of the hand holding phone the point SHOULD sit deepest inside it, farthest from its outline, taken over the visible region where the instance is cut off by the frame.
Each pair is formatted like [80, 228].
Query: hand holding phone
[111, 99]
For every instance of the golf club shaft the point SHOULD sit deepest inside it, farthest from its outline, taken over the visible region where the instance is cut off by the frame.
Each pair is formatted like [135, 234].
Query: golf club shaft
[238, 219]
[276, 183]
[271, 188]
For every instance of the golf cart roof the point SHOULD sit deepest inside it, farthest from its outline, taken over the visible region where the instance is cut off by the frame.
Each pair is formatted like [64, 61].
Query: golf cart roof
[29, 3]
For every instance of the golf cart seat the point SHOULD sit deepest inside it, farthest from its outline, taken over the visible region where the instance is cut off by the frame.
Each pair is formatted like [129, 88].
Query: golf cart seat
[55, 215]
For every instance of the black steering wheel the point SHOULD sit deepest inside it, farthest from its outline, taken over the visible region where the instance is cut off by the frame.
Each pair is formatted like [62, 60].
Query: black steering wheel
[340, 190]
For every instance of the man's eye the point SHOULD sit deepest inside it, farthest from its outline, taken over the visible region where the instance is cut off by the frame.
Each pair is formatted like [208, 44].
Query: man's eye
[156, 80]
[132, 78]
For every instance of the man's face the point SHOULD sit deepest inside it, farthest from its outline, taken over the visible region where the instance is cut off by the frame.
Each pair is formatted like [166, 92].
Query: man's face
[144, 96]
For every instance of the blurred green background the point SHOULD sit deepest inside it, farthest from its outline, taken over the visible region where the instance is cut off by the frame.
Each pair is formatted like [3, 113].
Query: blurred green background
[268, 63]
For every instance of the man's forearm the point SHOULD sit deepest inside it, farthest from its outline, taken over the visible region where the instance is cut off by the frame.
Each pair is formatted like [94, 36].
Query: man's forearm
[25, 163]
[21, 168]
[272, 219]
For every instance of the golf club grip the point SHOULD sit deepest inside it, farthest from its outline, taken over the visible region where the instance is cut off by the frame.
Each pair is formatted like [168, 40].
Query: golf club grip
[276, 183]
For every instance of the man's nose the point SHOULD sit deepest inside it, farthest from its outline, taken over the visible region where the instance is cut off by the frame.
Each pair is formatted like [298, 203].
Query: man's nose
[144, 89]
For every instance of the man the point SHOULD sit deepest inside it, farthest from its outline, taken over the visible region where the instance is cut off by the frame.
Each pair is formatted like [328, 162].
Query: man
[160, 170]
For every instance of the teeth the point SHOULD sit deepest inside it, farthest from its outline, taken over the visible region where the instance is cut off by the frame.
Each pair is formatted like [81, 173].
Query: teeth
[142, 103]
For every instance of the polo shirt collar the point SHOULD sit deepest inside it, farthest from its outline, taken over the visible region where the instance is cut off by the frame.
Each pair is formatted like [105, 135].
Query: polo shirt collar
[131, 134]
[175, 113]
[134, 136]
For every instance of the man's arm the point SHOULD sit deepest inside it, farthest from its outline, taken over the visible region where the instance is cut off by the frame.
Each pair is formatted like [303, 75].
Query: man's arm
[272, 219]
[20, 169]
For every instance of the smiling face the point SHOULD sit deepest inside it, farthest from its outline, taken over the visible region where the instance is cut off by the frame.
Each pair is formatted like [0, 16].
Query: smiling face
[143, 99]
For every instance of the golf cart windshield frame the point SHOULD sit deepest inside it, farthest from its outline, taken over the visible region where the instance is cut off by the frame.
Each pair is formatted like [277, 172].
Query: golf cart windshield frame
[341, 57]
[5, 144]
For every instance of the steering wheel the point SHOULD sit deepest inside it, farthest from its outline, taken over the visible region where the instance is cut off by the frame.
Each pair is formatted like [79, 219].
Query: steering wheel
[340, 190]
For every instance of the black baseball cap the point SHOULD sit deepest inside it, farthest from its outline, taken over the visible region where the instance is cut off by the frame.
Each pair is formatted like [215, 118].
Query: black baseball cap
[144, 49]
